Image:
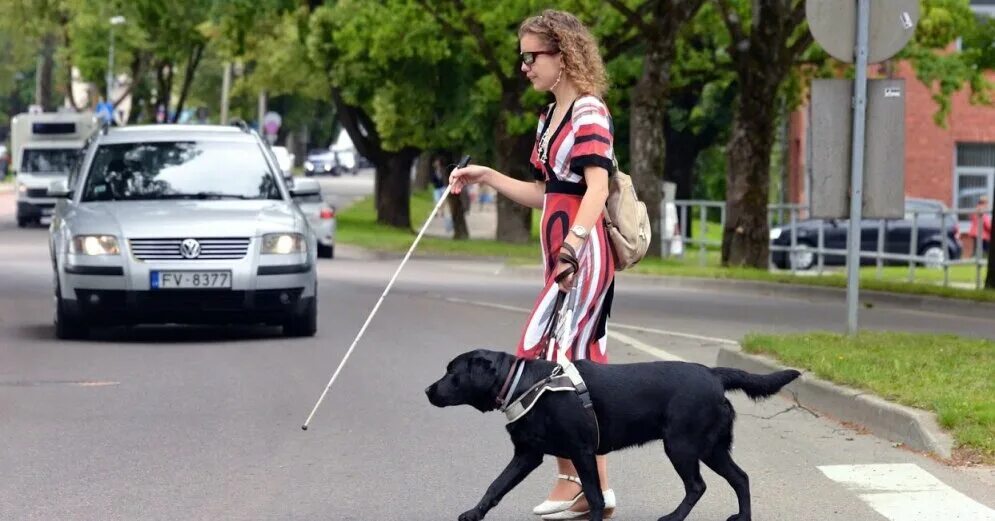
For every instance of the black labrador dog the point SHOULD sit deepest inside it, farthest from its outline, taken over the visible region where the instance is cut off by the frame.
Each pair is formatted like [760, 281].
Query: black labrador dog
[683, 404]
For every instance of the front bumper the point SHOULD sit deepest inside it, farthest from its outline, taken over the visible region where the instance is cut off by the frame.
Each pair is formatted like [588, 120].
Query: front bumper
[35, 209]
[118, 289]
[110, 307]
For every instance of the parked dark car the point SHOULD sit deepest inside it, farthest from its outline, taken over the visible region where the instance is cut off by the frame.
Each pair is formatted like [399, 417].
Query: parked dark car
[933, 235]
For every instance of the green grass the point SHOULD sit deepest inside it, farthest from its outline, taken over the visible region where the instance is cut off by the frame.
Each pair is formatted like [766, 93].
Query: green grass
[947, 374]
[357, 226]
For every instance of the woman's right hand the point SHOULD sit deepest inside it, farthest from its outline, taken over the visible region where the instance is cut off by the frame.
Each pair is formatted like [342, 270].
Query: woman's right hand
[468, 175]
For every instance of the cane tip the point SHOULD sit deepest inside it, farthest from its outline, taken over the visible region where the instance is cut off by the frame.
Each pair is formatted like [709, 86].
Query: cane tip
[303, 427]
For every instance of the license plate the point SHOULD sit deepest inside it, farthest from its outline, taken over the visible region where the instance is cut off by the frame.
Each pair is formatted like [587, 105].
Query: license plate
[191, 279]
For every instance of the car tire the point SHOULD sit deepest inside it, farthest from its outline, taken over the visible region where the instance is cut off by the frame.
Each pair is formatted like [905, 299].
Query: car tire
[67, 326]
[326, 252]
[803, 258]
[305, 323]
[23, 222]
[934, 255]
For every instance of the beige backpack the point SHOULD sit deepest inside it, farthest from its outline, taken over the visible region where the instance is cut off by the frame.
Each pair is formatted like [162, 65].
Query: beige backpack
[626, 221]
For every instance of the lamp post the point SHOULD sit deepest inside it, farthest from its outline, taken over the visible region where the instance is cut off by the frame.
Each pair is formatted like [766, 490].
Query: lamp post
[116, 20]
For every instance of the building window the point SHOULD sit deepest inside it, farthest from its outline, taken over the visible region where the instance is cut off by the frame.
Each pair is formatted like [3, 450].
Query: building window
[975, 174]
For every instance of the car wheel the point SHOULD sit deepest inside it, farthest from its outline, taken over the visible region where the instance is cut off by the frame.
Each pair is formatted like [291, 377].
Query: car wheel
[326, 252]
[802, 258]
[304, 323]
[23, 222]
[67, 326]
[933, 256]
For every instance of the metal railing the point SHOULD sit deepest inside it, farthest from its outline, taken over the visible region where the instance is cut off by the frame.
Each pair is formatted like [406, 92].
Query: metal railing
[798, 213]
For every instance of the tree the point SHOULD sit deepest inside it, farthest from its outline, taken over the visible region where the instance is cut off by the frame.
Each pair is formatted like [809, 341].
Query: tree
[703, 89]
[658, 23]
[763, 54]
[398, 88]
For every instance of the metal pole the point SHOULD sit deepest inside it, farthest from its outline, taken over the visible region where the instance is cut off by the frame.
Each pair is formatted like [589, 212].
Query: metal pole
[225, 89]
[262, 110]
[110, 66]
[857, 167]
[880, 263]
[702, 235]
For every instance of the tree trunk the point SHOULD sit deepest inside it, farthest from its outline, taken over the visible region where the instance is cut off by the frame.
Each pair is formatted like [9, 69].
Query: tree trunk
[43, 75]
[678, 167]
[647, 143]
[514, 221]
[457, 212]
[423, 171]
[392, 188]
[195, 55]
[746, 236]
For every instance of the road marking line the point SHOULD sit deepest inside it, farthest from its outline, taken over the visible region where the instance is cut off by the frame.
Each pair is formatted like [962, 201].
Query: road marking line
[646, 348]
[623, 338]
[906, 492]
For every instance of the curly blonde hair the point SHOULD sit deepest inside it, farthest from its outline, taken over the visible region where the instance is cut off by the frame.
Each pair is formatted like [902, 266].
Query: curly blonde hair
[581, 59]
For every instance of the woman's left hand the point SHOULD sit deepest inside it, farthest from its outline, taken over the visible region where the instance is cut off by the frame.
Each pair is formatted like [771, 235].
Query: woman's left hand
[567, 283]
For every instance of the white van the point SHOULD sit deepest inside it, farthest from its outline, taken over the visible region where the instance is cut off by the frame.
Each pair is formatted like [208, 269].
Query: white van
[44, 148]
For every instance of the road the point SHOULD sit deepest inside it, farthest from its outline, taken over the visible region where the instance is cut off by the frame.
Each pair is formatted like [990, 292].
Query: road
[204, 423]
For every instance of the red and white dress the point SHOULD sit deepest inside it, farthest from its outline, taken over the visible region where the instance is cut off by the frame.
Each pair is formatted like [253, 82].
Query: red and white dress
[584, 138]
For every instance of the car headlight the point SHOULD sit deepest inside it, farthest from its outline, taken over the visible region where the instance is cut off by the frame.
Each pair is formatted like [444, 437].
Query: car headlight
[328, 167]
[775, 234]
[284, 243]
[23, 188]
[308, 165]
[94, 245]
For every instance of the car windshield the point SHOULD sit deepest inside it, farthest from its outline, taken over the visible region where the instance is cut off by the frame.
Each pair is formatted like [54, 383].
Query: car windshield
[180, 170]
[48, 160]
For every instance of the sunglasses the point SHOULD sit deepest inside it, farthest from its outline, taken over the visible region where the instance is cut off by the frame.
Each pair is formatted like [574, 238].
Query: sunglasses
[529, 57]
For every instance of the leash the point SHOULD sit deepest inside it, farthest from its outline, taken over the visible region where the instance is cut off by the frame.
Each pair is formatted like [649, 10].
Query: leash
[463, 162]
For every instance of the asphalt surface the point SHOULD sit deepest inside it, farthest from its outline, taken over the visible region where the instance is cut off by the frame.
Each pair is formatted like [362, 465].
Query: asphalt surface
[204, 423]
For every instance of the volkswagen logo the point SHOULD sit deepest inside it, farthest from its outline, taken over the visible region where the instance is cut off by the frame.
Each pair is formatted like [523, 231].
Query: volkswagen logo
[190, 249]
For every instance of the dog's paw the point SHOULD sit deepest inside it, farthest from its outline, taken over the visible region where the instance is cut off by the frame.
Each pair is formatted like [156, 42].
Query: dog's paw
[471, 515]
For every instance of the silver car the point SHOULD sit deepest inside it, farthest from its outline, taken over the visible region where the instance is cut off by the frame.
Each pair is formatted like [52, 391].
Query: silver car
[320, 214]
[180, 224]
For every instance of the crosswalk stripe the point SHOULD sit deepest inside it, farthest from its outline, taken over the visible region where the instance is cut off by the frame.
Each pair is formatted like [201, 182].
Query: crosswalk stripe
[906, 492]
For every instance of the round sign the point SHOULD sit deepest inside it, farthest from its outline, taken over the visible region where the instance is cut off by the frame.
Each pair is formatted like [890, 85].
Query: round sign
[834, 25]
[271, 122]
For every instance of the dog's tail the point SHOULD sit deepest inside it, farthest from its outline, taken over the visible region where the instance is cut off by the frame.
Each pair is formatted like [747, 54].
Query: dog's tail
[755, 386]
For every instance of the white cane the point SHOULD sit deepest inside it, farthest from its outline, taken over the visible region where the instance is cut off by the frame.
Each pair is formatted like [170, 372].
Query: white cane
[463, 162]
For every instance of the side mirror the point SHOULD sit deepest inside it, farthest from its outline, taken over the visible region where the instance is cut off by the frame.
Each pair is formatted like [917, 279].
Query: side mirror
[305, 187]
[59, 188]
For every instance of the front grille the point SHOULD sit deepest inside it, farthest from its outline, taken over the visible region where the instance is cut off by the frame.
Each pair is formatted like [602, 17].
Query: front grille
[169, 249]
[37, 192]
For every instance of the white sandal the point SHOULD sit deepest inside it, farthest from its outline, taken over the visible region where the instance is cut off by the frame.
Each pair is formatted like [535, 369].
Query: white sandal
[609, 510]
[551, 507]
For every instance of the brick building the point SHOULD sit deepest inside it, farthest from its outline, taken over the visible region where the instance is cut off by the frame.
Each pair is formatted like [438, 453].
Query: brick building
[955, 165]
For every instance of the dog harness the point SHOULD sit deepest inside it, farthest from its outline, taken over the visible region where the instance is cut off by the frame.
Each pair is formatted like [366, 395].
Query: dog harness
[563, 378]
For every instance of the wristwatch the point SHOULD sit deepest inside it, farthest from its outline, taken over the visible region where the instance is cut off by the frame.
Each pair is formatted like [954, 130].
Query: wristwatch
[579, 231]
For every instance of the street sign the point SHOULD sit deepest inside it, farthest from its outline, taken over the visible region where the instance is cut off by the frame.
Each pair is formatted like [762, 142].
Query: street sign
[863, 32]
[834, 24]
[272, 122]
[884, 149]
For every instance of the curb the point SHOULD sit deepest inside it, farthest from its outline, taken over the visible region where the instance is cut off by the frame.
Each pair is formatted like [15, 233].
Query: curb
[914, 428]
[928, 303]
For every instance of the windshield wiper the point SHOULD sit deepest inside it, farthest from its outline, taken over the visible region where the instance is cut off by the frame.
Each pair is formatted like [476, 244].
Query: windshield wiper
[198, 195]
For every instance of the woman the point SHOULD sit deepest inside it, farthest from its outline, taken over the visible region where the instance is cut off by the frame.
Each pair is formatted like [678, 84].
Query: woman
[571, 162]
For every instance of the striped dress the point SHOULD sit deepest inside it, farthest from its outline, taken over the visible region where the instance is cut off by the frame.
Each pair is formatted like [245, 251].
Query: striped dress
[582, 139]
